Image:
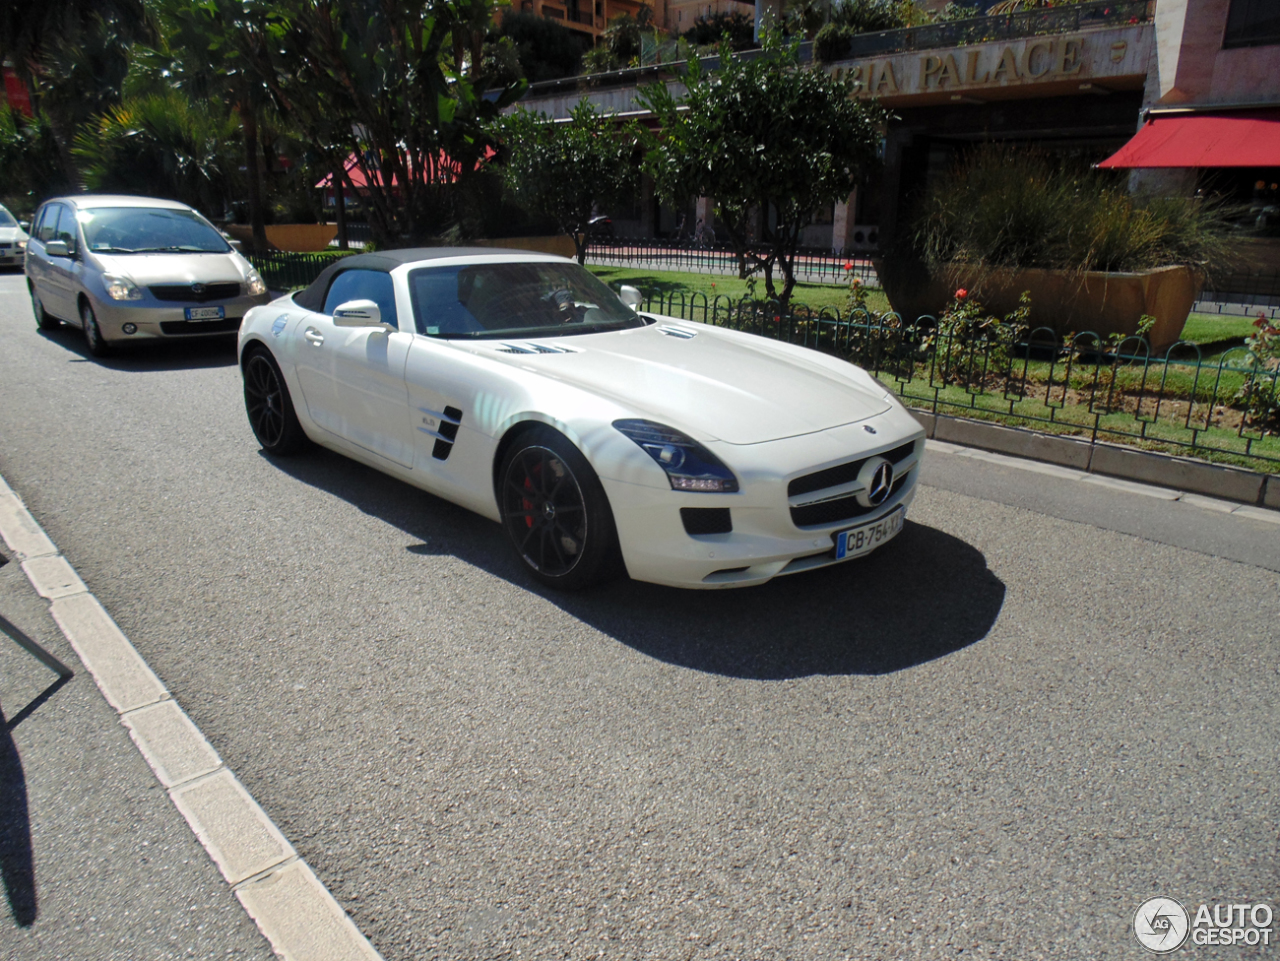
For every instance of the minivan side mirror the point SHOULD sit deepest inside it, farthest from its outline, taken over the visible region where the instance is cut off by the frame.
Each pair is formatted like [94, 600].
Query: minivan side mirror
[630, 296]
[56, 248]
[358, 313]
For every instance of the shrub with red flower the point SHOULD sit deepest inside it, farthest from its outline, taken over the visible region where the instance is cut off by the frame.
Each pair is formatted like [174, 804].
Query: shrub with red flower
[961, 294]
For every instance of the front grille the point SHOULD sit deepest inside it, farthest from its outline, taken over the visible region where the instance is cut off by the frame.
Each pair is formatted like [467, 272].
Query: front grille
[706, 520]
[226, 326]
[186, 293]
[844, 508]
[843, 473]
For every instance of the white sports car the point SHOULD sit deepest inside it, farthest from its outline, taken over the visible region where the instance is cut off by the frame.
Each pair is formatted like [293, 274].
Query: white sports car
[519, 386]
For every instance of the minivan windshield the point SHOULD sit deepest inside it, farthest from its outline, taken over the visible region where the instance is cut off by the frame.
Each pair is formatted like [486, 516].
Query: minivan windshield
[149, 230]
[547, 299]
[6, 219]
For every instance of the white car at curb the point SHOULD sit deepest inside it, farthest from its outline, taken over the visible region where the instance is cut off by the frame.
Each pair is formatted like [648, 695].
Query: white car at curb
[519, 386]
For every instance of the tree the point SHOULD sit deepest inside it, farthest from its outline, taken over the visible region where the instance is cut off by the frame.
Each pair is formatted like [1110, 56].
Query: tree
[372, 79]
[223, 52]
[566, 171]
[738, 28]
[546, 50]
[74, 56]
[163, 145]
[761, 135]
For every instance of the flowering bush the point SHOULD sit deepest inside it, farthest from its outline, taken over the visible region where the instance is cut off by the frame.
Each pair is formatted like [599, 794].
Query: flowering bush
[1260, 395]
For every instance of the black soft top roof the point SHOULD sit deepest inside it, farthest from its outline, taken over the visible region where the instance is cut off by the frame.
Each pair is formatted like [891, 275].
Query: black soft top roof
[312, 298]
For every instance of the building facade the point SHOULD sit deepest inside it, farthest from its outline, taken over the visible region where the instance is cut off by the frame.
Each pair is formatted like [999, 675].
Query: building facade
[1085, 81]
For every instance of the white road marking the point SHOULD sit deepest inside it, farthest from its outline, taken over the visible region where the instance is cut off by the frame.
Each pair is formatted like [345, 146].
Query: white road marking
[293, 910]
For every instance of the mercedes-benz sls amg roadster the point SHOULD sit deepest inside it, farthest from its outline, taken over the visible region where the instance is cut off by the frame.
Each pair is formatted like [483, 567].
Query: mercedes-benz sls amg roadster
[602, 438]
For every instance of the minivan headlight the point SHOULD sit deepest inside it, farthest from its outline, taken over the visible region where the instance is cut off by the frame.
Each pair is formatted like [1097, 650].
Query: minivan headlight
[121, 288]
[689, 465]
[257, 286]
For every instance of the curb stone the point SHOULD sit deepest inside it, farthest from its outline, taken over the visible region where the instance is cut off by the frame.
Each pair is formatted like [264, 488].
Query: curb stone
[1112, 460]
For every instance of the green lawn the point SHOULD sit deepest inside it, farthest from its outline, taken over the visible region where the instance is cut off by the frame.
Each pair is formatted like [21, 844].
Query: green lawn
[1216, 332]
[666, 283]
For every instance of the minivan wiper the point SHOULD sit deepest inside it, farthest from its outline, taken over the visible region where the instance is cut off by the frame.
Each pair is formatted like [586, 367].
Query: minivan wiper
[187, 249]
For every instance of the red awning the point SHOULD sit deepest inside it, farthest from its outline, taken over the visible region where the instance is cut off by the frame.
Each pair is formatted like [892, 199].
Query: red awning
[1247, 138]
[448, 167]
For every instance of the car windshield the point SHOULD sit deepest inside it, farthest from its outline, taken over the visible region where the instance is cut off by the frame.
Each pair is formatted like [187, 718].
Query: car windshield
[514, 300]
[144, 230]
[6, 219]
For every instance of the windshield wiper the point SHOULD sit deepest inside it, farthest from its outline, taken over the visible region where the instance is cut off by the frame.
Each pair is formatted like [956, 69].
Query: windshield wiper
[102, 249]
[185, 249]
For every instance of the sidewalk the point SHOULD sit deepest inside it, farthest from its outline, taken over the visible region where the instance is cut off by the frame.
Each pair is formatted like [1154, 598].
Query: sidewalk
[96, 862]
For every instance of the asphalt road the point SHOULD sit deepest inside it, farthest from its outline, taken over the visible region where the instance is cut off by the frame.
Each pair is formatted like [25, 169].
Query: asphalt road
[1045, 702]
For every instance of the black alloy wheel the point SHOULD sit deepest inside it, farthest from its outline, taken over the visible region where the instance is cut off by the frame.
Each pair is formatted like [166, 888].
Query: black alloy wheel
[93, 338]
[556, 513]
[270, 409]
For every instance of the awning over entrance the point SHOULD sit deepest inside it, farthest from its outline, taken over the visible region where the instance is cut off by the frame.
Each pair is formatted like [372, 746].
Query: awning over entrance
[1238, 139]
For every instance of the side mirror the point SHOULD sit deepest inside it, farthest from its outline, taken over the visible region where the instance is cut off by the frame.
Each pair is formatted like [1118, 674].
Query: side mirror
[57, 248]
[630, 296]
[357, 313]
[24, 224]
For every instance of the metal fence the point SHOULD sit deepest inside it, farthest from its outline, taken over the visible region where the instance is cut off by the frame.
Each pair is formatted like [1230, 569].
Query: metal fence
[1067, 18]
[812, 265]
[287, 270]
[1099, 389]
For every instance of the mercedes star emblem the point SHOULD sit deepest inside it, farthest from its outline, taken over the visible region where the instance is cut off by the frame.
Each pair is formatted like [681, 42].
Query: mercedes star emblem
[881, 483]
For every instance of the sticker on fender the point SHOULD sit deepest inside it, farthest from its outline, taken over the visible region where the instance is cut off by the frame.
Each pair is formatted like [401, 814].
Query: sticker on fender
[860, 540]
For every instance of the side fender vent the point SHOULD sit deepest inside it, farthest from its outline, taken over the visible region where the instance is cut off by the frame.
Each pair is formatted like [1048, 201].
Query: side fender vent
[449, 420]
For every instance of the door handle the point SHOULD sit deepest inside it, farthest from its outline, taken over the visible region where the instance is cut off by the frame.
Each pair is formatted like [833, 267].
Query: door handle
[314, 336]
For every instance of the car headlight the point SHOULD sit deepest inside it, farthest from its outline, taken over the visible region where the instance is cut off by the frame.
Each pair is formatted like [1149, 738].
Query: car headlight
[689, 465]
[256, 285]
[121, 288]
[22, 245]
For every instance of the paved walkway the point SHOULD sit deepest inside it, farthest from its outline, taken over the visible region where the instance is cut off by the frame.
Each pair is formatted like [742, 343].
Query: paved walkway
[97, 863]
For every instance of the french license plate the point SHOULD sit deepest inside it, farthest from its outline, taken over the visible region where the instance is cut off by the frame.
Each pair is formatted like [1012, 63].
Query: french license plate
[860, 540]
[206, 313]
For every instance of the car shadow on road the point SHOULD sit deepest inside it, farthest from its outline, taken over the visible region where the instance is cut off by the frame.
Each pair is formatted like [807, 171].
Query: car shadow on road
[153, 355]
[922, 597]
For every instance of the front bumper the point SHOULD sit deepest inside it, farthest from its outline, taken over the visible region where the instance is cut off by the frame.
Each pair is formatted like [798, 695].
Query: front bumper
[764, 542]
[157, 320]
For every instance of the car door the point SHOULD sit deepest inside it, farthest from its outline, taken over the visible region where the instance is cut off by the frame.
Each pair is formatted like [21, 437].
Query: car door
[364, 400]
[62, 272]
[39, 268]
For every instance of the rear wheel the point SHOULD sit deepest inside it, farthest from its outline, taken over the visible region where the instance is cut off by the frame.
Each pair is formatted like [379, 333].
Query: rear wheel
[44, 320]
[269, 406]
[556, 513]
[97, 344]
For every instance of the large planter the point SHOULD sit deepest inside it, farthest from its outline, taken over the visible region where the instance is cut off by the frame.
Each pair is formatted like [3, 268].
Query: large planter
[1064, 301]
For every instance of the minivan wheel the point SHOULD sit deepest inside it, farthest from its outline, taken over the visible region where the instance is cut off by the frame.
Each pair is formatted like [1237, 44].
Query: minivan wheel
[98, 345]
[44, 320]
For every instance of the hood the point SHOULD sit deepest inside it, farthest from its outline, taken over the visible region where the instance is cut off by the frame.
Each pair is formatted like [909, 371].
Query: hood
[715, 384]
[9, 235]
[145, 269]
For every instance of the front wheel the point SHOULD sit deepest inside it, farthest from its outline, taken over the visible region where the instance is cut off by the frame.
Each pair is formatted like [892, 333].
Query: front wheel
[93, 338]
[270, 408]
[556, 513]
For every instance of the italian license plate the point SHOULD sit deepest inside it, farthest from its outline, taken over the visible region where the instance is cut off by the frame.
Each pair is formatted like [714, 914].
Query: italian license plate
[860, 540]
[206, 313]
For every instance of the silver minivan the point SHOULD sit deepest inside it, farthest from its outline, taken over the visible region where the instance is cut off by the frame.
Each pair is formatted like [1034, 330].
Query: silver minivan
[134, 269]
